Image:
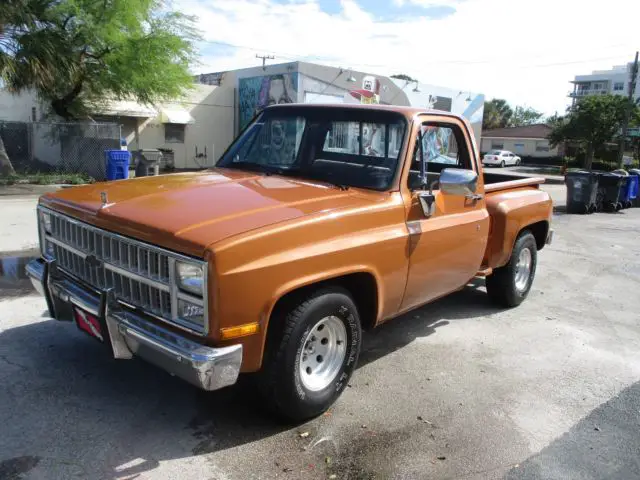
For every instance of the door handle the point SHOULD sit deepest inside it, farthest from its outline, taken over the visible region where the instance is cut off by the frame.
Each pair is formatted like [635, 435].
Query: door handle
[474, 196]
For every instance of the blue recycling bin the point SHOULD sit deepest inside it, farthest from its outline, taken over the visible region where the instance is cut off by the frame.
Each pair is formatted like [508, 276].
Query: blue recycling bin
[635, 187]
[117, 164]
[627, 190]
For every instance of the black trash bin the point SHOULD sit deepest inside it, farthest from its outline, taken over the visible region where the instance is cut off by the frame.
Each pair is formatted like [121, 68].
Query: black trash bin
[147, 162]
[609, 187]
[582, 191]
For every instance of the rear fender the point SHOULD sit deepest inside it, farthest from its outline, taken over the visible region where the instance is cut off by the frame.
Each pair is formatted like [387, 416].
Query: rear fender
[511, 212]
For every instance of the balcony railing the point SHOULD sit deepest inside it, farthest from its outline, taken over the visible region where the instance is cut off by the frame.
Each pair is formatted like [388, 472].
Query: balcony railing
[584, 93]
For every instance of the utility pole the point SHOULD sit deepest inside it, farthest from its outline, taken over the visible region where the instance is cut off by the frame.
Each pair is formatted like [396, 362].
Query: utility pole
[630, 105]
[268, 57]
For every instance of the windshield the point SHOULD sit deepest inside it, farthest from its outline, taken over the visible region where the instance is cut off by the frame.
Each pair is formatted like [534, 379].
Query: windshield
[345, 147]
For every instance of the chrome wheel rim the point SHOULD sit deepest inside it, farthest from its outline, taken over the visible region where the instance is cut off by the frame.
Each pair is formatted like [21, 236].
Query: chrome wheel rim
[523, 269]
[323, 353]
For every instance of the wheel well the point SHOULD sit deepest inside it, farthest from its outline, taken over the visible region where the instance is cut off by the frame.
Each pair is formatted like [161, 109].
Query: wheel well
[361, 286]
[539, 231]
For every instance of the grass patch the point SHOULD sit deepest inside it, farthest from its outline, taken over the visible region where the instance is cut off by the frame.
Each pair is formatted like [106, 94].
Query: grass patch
[46, 179]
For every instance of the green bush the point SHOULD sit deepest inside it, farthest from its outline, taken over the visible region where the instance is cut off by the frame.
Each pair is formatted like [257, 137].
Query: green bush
[47, 179]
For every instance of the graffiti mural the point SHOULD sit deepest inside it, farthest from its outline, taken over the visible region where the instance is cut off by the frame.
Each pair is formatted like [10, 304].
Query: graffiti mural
[370, 91]
[256, 93]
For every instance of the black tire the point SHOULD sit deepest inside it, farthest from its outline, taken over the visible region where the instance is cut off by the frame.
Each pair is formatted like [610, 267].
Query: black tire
[501, 284]
[280, 380]
[502, 164]
[518, 162]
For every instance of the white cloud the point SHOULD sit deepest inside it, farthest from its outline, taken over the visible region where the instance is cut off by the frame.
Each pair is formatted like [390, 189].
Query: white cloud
[526, 52]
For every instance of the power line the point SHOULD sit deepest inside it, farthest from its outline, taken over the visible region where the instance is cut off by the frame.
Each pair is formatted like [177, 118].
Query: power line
[501, 60]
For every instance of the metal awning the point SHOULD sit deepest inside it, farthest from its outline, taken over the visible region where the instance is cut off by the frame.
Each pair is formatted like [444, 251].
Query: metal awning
[176, 115]
[127, 108]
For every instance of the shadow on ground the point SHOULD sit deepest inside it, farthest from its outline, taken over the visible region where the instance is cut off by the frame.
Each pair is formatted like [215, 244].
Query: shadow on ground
[605, 444]
[58, 379]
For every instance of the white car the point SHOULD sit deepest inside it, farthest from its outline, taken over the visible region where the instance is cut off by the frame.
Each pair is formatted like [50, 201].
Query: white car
[501, 158]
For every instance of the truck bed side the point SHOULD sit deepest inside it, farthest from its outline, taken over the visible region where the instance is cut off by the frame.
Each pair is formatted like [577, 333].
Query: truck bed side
[514, 205]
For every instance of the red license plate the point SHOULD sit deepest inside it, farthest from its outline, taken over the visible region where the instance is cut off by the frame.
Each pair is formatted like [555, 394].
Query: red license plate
[88, 323]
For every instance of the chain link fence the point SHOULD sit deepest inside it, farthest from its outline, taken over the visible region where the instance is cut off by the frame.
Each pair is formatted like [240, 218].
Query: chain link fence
[38, 147]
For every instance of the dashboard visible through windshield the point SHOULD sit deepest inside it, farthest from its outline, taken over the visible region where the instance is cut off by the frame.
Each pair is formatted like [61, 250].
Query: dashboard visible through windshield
[345, 147]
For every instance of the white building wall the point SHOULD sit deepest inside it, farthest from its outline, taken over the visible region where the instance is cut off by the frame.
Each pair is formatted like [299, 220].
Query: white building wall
[523, 147]
[204, 140]
[19, 108]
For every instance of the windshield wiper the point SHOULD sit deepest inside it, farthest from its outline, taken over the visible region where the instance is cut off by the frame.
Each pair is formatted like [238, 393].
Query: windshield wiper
[339, 186]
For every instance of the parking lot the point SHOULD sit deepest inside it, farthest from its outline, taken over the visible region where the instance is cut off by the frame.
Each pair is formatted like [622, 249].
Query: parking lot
[458, 389]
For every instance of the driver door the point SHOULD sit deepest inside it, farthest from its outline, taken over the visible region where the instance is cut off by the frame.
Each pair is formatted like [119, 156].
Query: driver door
[445, 250]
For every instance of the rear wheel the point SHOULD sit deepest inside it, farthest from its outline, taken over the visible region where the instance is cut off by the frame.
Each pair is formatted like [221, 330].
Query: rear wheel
[502, 164]
[509, 285]
[311, 354]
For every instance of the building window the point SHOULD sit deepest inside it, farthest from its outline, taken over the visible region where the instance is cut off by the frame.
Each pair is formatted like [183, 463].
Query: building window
[618, 86]
[497, 145]
[173, 133]
[542, 146]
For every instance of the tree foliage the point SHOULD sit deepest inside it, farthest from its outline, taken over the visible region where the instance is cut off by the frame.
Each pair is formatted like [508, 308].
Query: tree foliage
[525, 116]
[402, 76]
[497, 114]
[592, 122]
[77, 54]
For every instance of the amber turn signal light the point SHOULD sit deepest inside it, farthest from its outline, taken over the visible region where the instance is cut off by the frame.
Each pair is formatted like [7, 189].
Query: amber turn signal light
[239, 331]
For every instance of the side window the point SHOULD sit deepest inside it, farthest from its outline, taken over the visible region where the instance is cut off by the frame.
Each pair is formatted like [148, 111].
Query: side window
[363, 139]
[443, 146]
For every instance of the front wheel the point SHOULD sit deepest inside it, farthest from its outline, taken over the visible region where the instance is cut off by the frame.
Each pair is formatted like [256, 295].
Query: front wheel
[312, 353]
[509, 285]
[518, 162]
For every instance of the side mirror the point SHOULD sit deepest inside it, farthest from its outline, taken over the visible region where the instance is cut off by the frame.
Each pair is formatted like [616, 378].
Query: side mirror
[455, 181]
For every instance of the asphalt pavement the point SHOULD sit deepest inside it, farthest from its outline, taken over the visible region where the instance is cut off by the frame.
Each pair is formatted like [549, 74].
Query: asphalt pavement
[458, 389]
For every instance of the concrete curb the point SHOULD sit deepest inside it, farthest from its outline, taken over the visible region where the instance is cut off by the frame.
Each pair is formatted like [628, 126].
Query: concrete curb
[30, 189]
[553, 180]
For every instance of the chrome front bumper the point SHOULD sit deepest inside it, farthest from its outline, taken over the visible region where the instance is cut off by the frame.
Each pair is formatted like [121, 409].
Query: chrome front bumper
[130, 333]
[549, 239]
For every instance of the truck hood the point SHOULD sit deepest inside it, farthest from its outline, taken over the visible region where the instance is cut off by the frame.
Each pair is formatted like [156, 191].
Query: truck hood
[187, 212]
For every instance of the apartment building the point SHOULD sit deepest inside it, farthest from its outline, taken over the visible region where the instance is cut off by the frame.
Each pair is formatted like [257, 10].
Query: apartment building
[600, 82]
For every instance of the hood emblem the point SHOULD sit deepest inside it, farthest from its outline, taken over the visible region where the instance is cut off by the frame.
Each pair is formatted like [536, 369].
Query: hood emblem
[103, 198]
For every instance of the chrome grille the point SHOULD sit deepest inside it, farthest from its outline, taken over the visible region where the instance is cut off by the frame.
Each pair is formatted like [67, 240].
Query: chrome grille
[151, 298]
[140, 274]
[115, 250]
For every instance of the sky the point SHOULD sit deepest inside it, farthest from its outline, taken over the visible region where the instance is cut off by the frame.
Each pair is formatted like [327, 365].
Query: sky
[525, 51]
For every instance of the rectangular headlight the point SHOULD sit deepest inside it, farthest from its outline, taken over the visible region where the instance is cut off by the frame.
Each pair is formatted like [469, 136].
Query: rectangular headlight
[190, 277]
[191, 313]
[46, 221]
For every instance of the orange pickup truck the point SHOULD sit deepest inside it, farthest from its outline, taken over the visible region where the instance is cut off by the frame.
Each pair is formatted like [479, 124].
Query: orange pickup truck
[319, 221]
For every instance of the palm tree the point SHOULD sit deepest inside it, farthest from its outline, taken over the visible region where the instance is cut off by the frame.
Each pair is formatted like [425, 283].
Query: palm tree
[28, 51]
[497, 114]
